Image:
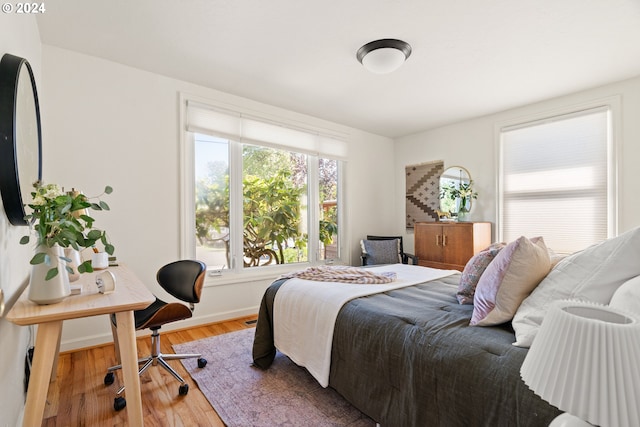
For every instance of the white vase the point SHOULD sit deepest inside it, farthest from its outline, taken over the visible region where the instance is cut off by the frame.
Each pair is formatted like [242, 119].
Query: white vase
[74, 256]
[57, 288]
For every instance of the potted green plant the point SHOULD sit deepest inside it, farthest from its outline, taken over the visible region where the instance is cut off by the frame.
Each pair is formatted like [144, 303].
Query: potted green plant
[462, 193]
[60, 220]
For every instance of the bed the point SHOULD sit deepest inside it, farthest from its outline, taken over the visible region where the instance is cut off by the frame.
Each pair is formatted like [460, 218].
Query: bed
[408, 357]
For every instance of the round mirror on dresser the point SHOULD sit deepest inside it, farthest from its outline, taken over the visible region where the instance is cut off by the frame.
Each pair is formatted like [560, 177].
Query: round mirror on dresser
[451, 181]
[20, 136]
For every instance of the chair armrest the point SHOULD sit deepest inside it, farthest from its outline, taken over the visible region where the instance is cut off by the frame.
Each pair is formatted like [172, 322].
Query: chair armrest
[406, 256]
[364, 258]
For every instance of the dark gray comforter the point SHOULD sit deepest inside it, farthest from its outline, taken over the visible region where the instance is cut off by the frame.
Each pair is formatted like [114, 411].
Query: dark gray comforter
[408, 357]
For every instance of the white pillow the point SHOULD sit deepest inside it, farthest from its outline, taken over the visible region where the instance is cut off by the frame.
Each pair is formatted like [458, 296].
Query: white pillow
[593, 274]
[627, 297]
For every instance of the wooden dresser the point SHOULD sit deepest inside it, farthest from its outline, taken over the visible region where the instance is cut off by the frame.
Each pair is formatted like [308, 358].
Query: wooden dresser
[449, 245]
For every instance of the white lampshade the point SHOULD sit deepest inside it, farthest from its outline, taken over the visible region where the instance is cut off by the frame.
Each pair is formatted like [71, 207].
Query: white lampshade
[585, 360]
[383, 56]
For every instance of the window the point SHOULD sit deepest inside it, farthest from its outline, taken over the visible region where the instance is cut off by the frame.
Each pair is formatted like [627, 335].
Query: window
[265, 193]
[274, 190]
[329, 219]
[212, 218]
[555, 180]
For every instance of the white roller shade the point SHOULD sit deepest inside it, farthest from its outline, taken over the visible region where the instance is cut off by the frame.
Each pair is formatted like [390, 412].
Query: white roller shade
[242, 127]
[554, 180]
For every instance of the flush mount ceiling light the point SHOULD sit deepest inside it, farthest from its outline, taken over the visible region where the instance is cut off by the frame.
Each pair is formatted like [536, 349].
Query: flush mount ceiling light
[383, 56]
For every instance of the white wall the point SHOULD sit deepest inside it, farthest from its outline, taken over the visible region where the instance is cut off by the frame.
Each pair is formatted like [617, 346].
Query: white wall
[472, 144]
[105, 123]
[19, 36]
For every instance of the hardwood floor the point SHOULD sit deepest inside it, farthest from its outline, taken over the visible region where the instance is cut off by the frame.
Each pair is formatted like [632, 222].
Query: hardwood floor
[79, 397]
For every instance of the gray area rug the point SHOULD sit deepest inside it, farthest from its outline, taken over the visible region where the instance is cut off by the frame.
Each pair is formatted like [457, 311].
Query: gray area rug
[245, 396]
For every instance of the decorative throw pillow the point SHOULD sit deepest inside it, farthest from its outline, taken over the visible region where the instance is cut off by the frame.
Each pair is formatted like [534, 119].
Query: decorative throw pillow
[627, 297]
[381, 251]
[593, 274]
[508, 280]
[473, 270]
[555, 257]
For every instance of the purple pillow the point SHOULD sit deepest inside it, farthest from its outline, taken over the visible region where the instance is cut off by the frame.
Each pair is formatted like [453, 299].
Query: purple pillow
[508, 280]
[473, 270]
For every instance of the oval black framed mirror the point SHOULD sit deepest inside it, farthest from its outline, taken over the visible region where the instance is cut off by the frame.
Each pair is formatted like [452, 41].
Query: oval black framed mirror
[20, 136]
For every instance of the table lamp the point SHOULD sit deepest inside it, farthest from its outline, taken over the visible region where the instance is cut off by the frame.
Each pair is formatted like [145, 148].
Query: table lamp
[585, 360]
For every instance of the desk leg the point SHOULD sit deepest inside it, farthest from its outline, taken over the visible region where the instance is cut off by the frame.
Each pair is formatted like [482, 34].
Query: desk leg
[129, 361]
[54, 368]
[47, 340]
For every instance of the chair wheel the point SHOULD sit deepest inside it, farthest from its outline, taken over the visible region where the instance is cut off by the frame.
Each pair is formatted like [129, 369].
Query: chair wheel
[183, 390]
[119, 403]
[109, 378]
[202, 362]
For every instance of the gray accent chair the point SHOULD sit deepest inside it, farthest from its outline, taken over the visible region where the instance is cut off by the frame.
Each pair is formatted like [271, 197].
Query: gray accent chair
[377, 250]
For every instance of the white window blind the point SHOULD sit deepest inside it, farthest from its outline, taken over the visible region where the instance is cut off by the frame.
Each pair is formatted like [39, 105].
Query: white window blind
[203, 118]
[554, 180]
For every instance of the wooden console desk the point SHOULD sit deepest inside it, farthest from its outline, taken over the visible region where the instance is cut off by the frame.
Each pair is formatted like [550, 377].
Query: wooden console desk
[130, 294]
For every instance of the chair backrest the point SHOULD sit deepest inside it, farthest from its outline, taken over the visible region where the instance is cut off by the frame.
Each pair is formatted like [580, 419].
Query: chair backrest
[183, 279]
[388, 238]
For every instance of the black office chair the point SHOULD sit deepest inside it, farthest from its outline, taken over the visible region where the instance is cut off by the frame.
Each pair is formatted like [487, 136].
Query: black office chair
[184, 280]
[375, 252]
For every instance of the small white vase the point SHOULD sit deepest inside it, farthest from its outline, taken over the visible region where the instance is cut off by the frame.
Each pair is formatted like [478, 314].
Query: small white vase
[50, 291]
[74, 256]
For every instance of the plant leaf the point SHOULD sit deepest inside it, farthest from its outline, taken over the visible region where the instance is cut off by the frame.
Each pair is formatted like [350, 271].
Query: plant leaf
[109, 248]
[94, 234]
[104, 205]
[85, 267]
[67, 234]
[87, 218]
[53, 272]
[24, 240]
[38, 258]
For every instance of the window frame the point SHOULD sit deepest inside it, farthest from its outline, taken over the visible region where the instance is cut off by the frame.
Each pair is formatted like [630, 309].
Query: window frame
[613, 104]
[237, 273]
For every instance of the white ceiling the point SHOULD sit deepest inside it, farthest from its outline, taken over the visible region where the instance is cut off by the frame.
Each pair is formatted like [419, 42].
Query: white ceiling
[470, 57]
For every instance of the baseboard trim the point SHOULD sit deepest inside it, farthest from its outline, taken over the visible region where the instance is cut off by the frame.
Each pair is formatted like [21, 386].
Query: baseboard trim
[106, 338]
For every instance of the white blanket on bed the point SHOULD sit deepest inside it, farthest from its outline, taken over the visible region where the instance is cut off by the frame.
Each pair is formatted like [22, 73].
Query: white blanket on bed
[305, 311]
